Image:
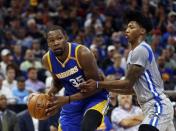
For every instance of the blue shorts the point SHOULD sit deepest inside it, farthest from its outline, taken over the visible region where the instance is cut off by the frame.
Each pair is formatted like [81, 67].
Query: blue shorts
[72, 114]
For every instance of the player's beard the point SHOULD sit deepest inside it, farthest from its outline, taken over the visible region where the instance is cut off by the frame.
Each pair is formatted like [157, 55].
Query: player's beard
[59, 52]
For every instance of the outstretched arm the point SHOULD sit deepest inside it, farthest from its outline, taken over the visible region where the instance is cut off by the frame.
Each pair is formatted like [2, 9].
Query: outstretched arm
[126, 85]
[133, 74]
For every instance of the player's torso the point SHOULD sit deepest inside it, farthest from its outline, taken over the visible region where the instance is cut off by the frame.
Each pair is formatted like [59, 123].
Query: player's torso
[68, 73]
[149, 84]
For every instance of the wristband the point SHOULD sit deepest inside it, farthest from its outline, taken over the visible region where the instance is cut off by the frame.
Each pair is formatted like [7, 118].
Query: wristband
[97, 84]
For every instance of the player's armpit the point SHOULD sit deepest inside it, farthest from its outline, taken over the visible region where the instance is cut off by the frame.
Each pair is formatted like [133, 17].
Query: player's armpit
[133, 74]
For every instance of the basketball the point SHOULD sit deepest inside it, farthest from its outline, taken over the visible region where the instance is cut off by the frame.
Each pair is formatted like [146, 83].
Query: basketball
[37, 105]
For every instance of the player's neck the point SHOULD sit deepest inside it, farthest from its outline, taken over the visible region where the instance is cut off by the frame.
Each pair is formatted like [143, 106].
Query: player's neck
[64, 56]
[136, 42]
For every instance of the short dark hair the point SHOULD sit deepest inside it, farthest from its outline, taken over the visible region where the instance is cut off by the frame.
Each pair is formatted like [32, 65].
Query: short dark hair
[21, 79]
[56, 27]
[10, 66]
[143, 21]
[31, 68]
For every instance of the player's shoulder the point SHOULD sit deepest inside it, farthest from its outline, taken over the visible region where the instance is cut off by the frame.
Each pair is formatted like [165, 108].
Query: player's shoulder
[45, 59]
[83, 50]
[143, 48]
[45, 56]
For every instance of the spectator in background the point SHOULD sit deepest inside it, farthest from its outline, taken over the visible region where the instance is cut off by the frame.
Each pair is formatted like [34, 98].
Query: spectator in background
[117, 39]
[109, 59]
[126, 117]
[28, 123]
[30, 61]
[166, 74]
[98, 42]
[172, 18]
[6, 91]
[8, 121]
[10, 81]
[24, 38]
[37, 50]
[32, 83]
[20, 92]
[17, 54]
[6, 59]
[169, 61]
[113, 103]
[115, 69]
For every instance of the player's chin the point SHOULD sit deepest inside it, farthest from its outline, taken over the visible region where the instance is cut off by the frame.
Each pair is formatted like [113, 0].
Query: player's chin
[58, 52]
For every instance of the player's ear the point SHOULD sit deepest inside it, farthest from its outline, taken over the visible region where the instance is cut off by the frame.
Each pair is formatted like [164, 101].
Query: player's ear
[143, 31]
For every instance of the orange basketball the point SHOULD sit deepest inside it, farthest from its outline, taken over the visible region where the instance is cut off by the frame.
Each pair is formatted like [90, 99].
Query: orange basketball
[37, 105]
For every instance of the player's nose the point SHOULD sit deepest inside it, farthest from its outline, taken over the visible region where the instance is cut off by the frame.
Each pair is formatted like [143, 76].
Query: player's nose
[56, 43]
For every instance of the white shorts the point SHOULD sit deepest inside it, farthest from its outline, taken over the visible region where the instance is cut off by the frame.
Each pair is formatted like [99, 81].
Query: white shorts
[159, 113]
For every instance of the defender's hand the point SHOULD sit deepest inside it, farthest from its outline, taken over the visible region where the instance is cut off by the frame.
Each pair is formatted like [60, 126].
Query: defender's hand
[88, 86]
[54, 103]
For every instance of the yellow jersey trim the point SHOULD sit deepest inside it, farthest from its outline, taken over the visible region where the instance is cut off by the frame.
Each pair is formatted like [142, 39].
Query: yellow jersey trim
[76, 55]
[101, 107]
[59, 127]
[68, 57]
[49, 61]
[73, 58]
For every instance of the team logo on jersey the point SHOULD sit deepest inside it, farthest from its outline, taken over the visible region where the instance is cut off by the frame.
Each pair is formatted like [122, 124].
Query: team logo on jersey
[67, 73]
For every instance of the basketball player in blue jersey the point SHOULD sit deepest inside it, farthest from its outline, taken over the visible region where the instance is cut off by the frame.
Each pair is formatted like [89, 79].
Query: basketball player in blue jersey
[143, 76]
[70, 65]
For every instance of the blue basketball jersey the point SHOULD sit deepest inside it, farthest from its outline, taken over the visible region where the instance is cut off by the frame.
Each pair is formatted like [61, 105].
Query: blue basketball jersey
[69, 73]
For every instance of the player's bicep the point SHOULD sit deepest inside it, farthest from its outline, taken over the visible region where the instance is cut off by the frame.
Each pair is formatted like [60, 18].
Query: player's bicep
[88, 63]
[133, 73]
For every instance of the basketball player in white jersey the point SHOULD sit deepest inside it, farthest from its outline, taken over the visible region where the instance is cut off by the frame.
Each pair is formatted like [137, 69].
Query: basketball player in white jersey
[143, 77]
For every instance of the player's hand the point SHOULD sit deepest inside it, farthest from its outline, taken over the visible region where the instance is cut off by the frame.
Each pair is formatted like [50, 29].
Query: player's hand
[88, 86]
[54, 103]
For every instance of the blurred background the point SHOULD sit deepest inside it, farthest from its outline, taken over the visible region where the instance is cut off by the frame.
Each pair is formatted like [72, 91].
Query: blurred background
[97, 24]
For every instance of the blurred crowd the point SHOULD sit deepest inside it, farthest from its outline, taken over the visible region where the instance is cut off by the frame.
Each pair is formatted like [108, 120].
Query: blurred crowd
[97, 24]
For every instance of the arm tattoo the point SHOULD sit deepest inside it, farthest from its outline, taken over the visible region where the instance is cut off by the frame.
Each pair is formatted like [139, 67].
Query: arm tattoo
[134, 73]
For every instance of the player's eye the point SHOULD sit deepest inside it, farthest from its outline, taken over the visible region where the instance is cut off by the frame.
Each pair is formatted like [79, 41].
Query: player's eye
[59, 38]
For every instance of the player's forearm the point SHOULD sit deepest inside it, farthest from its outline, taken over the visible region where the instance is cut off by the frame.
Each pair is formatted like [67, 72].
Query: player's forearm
[80, 96]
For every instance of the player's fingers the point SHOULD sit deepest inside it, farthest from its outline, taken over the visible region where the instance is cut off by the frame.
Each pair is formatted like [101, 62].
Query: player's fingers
[48, 111]
[82, 85]
[51, 103]
[84, 90]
